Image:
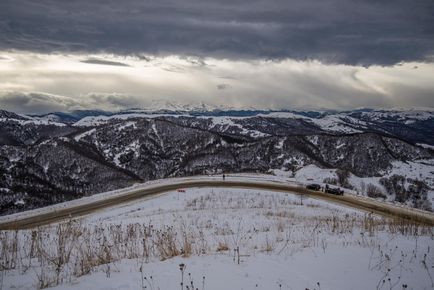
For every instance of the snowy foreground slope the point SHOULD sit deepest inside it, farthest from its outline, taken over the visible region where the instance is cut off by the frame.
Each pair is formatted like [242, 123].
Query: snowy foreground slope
[282, 245]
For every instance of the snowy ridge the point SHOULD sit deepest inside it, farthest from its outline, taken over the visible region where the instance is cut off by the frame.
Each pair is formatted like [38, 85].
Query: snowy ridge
[408, 116]
[284, 115]
[100, 120]
[39, 122]
[426, 146]
[335, 123]
[345, 122]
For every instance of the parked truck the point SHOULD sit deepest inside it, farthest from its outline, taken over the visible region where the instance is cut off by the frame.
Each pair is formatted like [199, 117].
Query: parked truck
[314, 186]
[335, 191]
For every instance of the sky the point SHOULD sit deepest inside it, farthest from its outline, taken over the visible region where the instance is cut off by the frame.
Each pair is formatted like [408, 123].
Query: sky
[299, 54]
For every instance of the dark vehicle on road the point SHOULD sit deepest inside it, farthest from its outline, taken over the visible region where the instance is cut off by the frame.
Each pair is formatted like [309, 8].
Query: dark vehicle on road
[335, 191]
[314, 186]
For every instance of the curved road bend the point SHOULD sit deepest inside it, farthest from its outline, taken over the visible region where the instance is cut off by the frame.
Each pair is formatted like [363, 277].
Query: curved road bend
[366, 204]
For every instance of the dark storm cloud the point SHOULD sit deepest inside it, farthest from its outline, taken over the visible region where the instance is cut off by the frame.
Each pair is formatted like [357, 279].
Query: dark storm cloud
[113, 100]
[354, 32]
[103, 62]
[42, 103]
[29, 103]
[223, 86]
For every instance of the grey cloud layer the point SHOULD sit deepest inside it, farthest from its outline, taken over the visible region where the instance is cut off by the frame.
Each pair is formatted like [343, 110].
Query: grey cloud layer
[29, 103]
[355, 32]
[103, 62]
[40, 103]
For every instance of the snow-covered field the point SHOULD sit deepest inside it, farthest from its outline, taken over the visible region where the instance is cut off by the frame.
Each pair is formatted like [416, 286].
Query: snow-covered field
[226, 239]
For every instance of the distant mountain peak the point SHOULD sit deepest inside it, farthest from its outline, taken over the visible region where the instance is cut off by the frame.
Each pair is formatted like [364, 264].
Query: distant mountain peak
[164, 105]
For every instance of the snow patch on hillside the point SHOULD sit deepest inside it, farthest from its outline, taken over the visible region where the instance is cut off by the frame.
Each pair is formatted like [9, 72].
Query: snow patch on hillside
[335, 123]
[126, 125]
[421, 170]
[312, 172]
[84, 134]
[426, 146]
[228, 123]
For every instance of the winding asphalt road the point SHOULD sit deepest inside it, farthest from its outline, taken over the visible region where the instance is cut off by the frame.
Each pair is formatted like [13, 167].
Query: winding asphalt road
[370, 205]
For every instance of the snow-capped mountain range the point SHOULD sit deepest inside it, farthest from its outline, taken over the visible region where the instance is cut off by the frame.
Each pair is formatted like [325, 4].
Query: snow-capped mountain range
[411, 125]
[54, 157]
